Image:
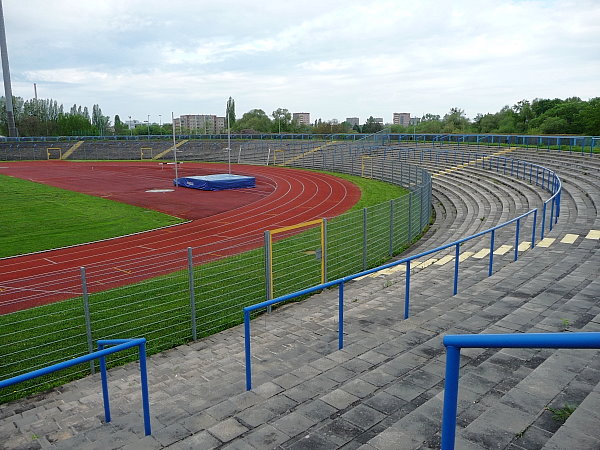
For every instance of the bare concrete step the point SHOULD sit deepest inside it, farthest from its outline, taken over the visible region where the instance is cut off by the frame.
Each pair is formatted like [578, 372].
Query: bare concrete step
[383, 390]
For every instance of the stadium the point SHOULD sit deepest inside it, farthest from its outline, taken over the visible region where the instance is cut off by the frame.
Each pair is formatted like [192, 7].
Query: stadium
[284, 316]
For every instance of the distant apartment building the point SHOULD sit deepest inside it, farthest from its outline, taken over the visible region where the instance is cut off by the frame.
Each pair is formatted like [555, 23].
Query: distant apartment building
[415, 121]
[378, 120]
[200, 124]
[131, 124]
[221, 125]
[401, 119]
[302, 118]
[353, 121]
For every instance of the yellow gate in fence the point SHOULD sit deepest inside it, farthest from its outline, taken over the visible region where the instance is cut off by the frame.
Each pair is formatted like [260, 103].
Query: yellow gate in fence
[53, 151]
[296, 260]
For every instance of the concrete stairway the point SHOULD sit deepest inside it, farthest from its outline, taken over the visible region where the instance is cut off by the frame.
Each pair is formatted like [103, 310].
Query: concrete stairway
[384, 389]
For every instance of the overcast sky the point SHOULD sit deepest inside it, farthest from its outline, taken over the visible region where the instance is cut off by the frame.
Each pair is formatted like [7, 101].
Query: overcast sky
[334, 59]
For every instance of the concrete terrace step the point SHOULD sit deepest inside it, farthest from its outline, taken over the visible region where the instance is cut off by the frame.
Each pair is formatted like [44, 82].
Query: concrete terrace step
[199, 388]
[384, 389]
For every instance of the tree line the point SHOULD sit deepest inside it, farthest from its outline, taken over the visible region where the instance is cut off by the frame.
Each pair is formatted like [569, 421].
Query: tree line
[538, 117]
[46, 117]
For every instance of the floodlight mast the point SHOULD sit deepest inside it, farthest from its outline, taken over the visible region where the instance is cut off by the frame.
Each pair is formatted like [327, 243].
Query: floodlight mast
[229, 142]
[174, 148]
[10, 117]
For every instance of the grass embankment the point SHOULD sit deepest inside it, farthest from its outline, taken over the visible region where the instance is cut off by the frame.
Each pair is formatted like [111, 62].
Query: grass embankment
[38, 217]
[159, 308]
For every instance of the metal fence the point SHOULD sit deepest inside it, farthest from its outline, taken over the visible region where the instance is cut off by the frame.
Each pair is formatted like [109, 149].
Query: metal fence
[550, 181]
[143, 147]
[190, 294]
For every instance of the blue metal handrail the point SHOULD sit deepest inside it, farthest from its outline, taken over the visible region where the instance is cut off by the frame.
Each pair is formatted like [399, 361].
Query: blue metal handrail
[540, 141]
[554, 185]
[119, 345]
[454, 343]
[340, 283]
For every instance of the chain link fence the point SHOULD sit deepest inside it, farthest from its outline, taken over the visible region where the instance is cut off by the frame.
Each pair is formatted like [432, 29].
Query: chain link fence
[185, 295]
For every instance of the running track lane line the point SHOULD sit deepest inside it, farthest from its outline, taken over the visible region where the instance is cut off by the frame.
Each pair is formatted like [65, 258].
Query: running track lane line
[298, 196]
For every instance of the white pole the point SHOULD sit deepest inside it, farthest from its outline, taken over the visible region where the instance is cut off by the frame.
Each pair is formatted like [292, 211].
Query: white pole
[229, 141]
[10, 117]
[174, 148]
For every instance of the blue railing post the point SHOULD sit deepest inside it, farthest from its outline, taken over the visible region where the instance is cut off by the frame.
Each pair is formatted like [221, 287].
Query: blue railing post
[552, 213]
[492, 238]
[543, 178]
[407, 290]
[144, 383]
[341, 315]
[141, 344]
[535, 211]
[543, 221]
[104, 379]
[247, 350]
[450, 397]
[517, 239]
[456, 257]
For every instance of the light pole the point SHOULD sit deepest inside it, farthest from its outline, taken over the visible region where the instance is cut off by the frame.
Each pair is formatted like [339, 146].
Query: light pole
[228, 143]
[10, 118]
[174, 149]
[160, 122]
[148, 126]
[130, 127]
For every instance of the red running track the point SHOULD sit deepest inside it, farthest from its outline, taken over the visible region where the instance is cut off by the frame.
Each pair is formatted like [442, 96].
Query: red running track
[221, 223]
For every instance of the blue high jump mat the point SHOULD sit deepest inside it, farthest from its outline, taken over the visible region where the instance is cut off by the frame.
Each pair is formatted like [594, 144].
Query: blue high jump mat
[217, 182]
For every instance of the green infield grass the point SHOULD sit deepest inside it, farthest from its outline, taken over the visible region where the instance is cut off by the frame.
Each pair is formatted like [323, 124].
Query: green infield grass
[39, 217]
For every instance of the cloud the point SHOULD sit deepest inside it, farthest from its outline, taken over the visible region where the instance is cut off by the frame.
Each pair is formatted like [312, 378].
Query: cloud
[332, 58]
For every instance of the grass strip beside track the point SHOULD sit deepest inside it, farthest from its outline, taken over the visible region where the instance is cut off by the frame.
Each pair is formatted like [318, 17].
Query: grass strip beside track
[38, 217]
[159, 308]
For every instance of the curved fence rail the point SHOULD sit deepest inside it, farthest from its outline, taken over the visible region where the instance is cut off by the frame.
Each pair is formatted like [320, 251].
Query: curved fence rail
[454, 343]
[406, 261]
[549, 181]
